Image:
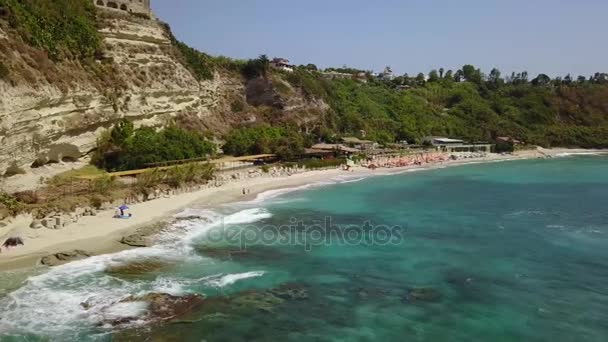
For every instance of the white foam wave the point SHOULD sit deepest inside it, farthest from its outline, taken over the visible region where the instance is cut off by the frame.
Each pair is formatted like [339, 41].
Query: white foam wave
[569, 154]
[222, 280]
[273, 194]
[351, 180]
[126, 309]
[80, 295]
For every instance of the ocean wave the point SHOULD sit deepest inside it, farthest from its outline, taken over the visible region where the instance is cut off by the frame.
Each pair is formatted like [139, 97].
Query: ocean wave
[223, 280]
[268, 195]
[347, 180]
[570, 154]
[80, 294]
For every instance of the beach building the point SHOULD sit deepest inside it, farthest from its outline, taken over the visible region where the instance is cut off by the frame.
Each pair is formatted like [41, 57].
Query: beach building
[364, 145]
[339, 148]
[282, 64]
[456, 145]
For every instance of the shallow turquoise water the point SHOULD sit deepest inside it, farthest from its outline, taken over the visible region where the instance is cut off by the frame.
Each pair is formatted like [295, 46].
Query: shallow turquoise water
[516, 251]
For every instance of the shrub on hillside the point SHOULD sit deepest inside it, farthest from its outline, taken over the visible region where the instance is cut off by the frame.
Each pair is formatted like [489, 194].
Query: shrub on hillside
[4, 72]
[125, 148]
[286, 142]
[257, 67]
[63, 28]
[27, 197]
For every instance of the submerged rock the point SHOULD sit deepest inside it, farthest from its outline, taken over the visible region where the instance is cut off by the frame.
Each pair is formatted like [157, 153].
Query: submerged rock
[240, 254]
[423, 294]
[162, 307]
[370, 293]
[64, 257]
[137, 267]
[290, 291]
[262, 301]
[267, 300]
[221, 253]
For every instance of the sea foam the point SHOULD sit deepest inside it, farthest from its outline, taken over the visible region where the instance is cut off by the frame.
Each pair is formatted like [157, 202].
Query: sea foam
[71, 299]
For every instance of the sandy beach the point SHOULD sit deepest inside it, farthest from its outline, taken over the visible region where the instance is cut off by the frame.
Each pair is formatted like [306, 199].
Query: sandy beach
[102, 233]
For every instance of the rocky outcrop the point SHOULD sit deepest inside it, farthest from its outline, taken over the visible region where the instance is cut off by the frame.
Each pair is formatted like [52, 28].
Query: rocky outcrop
[136, 240]
[137, 267]
[161, 307]
[64, 257]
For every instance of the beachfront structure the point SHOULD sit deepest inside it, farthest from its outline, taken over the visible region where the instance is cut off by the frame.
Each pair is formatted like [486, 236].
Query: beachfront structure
[281, 64]
[334, 147]
[456, 145]
[130, 6]
[364, 145]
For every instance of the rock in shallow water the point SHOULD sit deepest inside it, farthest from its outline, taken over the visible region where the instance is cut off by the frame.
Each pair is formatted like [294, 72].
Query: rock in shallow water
[138, 267]
[423, 294]
[161, 307]
[64, 257]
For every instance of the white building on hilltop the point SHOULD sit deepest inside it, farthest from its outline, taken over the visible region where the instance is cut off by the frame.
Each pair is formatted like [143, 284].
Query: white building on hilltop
[281, 64]
[130, 6]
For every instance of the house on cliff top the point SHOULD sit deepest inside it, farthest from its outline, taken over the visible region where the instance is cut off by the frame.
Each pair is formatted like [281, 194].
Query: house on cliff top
[130, 6]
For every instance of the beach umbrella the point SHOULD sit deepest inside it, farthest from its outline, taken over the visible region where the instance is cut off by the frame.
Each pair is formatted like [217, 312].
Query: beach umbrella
[123, 207]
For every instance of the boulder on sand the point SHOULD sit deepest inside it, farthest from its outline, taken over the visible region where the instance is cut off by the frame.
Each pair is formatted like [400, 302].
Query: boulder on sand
[136, 240]
[36, 224]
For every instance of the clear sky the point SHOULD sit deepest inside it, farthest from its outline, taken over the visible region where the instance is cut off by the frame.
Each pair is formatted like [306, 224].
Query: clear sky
[551, 36]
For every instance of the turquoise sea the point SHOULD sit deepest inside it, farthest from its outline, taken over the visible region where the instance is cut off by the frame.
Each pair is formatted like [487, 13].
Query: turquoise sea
[509, 251]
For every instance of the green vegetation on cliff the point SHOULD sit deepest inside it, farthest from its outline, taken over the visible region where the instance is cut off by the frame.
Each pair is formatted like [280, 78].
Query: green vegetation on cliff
[543, 111]
[286, 142]
[63, 28]
[127, 148]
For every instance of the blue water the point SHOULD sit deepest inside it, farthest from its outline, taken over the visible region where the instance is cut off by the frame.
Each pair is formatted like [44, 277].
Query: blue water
[512, 251]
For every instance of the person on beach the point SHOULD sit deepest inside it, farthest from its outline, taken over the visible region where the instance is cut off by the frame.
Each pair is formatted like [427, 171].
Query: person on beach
[12, 242]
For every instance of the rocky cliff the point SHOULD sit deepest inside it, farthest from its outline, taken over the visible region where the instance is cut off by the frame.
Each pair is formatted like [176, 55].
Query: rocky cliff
[54, 111]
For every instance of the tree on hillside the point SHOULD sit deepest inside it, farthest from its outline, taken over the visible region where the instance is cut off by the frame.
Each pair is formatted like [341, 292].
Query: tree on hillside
[420, 79]
[458, 76]
[519, 78]
[541, 80]
[494, 76]
[311, 67]
[256, 67]
[600, 78]
[441, 71]
[471, 74]
[449, 75]
[433, 76]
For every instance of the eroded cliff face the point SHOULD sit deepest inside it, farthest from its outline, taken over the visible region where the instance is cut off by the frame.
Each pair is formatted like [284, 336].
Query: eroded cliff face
[53, 112]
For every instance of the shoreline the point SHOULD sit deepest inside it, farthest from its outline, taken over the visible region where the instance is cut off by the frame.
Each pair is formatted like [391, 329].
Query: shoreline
[101, 234]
